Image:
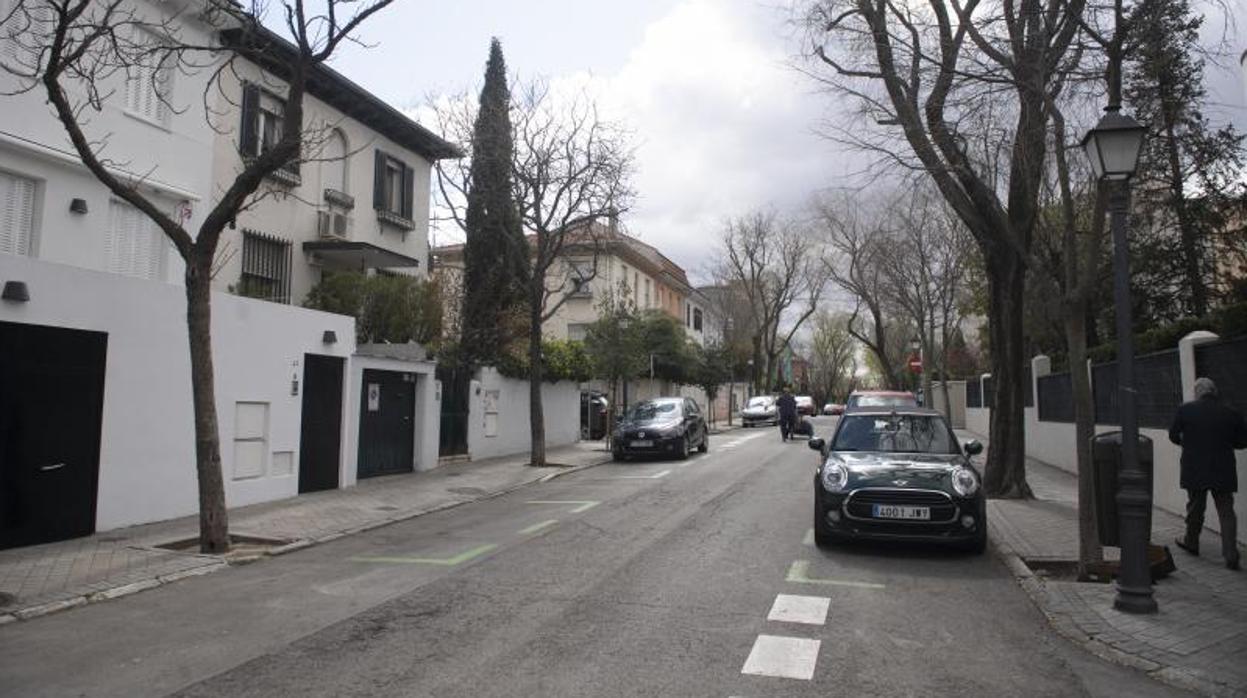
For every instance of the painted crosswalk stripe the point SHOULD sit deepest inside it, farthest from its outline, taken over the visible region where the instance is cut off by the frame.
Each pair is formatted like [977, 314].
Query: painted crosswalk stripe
[655, 476]
[782, 657]
[799, 573]
[790, 608]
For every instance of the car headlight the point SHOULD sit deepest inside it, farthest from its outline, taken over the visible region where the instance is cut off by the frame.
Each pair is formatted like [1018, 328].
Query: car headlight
[834, 476]
[965, 483]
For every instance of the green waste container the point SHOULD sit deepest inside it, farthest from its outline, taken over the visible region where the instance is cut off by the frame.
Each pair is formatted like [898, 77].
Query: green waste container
[1106, 461]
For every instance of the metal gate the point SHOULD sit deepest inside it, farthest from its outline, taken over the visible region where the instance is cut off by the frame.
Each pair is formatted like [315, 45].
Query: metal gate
[320, 437]
[51, 410]
[387, 423]
[453, 435]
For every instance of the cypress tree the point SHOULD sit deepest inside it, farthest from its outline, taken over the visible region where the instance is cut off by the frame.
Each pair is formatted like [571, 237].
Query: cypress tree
[494, 263]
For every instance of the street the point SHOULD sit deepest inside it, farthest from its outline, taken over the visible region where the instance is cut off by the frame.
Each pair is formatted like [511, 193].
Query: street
[628, 579]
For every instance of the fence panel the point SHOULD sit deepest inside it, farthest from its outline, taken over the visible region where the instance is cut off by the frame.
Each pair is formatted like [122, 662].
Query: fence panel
[974, 392]
[1158, 389]
[1056, 398]
[1225, 362]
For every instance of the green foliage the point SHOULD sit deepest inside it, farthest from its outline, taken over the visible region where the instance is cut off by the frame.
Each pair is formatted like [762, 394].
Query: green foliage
[712, 367]
[662, 337]
[1226, 321]
[495, 253]
[562, 360]
[612, 344]
[386, 308]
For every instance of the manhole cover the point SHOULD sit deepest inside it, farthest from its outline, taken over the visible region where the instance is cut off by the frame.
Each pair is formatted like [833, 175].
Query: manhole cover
[6, 599]
[466, 490]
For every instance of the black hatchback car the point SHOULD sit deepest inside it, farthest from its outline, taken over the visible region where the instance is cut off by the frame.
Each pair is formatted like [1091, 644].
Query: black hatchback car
[898, 474]
[670, 426]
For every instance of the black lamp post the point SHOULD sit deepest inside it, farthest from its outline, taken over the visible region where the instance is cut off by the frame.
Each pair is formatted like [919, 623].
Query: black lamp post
[1113, 148]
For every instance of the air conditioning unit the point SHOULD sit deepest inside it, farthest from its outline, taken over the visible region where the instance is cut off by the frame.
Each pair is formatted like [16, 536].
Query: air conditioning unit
[332, 225]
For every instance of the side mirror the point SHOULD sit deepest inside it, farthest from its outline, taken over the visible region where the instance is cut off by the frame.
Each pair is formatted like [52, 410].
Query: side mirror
[815, 444]
[973, 448]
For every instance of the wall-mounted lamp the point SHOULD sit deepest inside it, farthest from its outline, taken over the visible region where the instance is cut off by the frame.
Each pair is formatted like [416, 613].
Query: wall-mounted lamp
[78, 206]
[329, 337]
[15, 291]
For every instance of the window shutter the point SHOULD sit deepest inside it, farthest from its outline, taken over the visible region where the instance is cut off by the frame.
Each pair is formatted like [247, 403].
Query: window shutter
[248, 135]
[378, 181]
[409, 184]
[17, 204]
[133, 244]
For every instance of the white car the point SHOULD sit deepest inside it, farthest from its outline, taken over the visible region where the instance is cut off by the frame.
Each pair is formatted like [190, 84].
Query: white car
[760, 410]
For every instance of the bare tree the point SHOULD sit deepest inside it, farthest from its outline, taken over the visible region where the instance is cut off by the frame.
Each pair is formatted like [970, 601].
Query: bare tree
[78, 48]
[948, 73]
[572, 172]
[857, 241]
[832, 353]
[776, 268]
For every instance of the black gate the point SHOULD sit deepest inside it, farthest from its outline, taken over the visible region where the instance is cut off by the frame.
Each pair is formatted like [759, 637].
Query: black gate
[51, 407]
[453, 435]
[386, 423]
[320, 436]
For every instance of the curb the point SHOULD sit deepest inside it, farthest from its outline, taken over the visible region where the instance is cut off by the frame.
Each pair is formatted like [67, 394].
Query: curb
[218, 563]
[1065, 627]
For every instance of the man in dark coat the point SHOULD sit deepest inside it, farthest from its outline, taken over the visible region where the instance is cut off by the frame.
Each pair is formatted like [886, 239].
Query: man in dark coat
[1208, 432]
[787, 406]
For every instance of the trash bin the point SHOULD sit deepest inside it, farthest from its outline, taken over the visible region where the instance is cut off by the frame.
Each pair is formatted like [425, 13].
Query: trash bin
[1106, 461]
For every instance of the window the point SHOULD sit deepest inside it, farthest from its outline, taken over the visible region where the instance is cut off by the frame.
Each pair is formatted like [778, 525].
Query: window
[149, 86]
[393, 190]
[134, 245]
[647, 296]
[577, 331]
[17, 213]
[265, 267]
[580, 275]
[335, 163]
[688, 315]
[263, 114]
[697, 320]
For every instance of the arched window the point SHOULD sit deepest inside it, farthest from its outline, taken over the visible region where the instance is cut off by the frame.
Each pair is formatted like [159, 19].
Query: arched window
[335, 162]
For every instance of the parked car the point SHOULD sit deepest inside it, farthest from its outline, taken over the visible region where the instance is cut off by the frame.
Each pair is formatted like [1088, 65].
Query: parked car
[833, 408]
[670, 426]
[593, 415]
[880, 398]
[896, 473]
[805, 405]
[760, 410]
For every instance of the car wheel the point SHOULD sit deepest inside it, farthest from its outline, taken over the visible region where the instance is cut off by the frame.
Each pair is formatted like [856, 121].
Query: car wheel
[682, 454]
[618, 456]
[704, 446]
[978, 545]
[823, 537]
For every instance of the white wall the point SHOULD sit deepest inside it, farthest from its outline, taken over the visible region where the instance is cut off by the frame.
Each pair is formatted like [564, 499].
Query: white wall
[978, 420]
[147, 464]
[510, 425]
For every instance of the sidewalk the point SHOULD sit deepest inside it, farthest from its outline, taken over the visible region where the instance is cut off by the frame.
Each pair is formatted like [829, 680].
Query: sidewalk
[1198, 640]
[42, 579]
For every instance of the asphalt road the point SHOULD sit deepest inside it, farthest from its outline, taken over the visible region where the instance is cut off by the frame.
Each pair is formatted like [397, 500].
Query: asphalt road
[634, 579]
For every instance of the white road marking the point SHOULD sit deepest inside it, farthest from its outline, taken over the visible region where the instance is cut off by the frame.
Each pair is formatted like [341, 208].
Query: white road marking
[583, 505]
[538, 526]
[799, 573]
[782, 657]
[664, 473]
[790, 608]
[808, 541]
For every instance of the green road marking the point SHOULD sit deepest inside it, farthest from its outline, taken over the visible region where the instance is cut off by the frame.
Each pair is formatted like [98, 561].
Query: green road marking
[538, 526]
[664, 473]
[809, 538]
[446, 562]
[799, 573]
[585, 505]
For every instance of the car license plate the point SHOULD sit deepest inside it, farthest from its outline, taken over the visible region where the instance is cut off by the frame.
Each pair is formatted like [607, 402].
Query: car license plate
[892, 511]
[642, 444]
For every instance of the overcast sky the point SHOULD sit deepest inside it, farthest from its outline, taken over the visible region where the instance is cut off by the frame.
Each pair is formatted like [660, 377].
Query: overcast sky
[723, 124]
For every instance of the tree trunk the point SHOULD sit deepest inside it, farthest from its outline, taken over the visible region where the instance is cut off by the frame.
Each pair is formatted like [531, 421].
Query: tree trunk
[213, 516]
[536, 413]
[1187, 234]
[1089, 549]
[1005, 470]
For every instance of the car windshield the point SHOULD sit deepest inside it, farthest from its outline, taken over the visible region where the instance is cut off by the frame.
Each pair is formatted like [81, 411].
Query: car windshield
[759, 402]
[653, 411]
[905, 433]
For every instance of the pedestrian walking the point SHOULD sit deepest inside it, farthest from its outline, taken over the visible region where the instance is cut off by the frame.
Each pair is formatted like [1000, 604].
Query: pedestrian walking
[1208, 432]
[787, 406]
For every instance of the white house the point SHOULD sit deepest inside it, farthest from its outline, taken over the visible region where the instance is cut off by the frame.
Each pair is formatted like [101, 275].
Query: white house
[96, 428]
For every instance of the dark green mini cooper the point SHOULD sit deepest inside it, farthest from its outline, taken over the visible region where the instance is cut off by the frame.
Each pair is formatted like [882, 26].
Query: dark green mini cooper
[898, 474]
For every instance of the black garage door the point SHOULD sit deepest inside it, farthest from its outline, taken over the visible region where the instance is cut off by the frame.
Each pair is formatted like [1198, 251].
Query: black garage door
[386, 423]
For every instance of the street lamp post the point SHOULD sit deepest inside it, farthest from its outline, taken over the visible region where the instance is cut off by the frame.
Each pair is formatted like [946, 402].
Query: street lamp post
[1113, 148]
